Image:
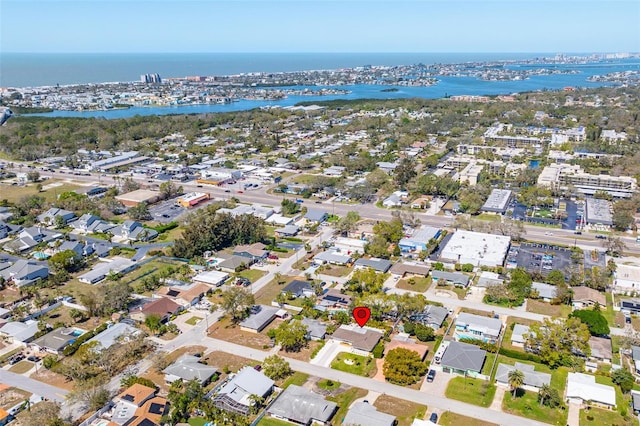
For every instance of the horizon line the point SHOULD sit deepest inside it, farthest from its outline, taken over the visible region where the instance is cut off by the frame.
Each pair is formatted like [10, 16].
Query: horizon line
[316, 52]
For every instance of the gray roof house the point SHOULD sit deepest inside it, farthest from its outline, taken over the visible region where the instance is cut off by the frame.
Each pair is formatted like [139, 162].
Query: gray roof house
[111, 335]
[84, 222]
[287, 231]
[519, 331]
[189, 367]
[533, 380]
[25, 272]
[463, 358]
[7, 229]
[133, 230]
[364, 414]
[332, 257]
[232, 262]
[30, 237]
[455, 278]
[299, 288]
[261, 316]
[477, 327]
[546, 292]
[56, 340]
[75, 246]
[601, 349]
[360, 338]
[301, 406]
[49, 217]
[379, 265]
[433, 316]
[316, 215]
[237, 394]
[20, 331]
[316, 330]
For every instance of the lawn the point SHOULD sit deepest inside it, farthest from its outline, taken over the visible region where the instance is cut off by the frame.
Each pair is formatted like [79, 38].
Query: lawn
[13, 194]
[252, 275]
[197, 421]
[21, 367]
[544, 308]
[303, 354]
[193, 320]
[420, 284]
[472, 391]
[452, 419]
[268, 293]
[344, 400]
[404, 411]
[489, 217]
[335, 271]
[622, 401]
[270, 421]
[488, 364]
[225, 330]
[296, 378]
[599, 417]
[506, 341]
[354, 364]
[526, 405]
[328, 384]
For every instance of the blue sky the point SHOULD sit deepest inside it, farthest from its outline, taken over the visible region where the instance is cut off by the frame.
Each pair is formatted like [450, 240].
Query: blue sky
[319, 26]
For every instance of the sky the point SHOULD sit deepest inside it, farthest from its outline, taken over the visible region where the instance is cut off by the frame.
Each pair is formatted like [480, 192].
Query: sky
[133, 26]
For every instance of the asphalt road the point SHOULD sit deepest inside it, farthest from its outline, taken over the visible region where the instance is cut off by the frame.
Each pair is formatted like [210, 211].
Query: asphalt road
[19, 381]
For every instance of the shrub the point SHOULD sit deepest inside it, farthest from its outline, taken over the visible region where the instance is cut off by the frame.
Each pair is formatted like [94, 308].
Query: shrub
[378, 351]
[522, 356]
[489, 347]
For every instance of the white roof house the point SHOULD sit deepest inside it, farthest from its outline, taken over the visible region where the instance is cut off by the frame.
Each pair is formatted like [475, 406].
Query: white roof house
[476, 248]
[583, 387]
[216, 278]
[519, 331]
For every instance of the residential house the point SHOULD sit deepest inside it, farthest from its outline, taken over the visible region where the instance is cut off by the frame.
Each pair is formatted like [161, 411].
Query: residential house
[432, 316]
[115, 333]
[56, 340]
[316, 215]
[138, 405]
[260, 317]
[214, 278]
[518, 335]
[601, 349]
[187, 368]
[419, 240]
[49, 217]
[299, 288]
[626, 278]
[362, 413]
[84, 223]
[396, 199]
[379, 265]
[401, 269]
[287, 231]
[332, 257]
[254, 252]
[333, 300]
[185, 295]
[316, 330]
[301, 406]
[533, 380]
[134, 231]
[546, 292]
[75, 246]
[162, 306]
[583, 387]
[233, 263]
[115, 265]
[488, 279]
[30, 237]
[473, 326]
[238, 394]
[7, 230]
[24, 272]
[361, 339]
[349, 245]
[631, 306]
[635, 401]
[16, 331]
[584, 297]
[463, 358]
[450, 278]
[5, 417]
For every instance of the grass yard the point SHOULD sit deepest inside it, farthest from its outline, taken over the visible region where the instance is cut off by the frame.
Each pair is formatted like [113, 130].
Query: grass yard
[526, 404]
[335, 270]
[270, 421]
[354, 364]
[197, 421]
[223, 361]
[472, 391]
[303, 354]
[489, 217]
[488, 364]
[225, 330]
[296, 378]
[328, 384]
[404, 411]
[452, 419]
[268, 293]
[252, 275]
[420, 284]
[193, 320]
[344, 400]
[13, 194]
[21, 367]
[600, 417]
[544, 308]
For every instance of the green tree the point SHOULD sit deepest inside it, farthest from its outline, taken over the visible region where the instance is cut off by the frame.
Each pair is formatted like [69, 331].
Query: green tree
[549, 396]
[76, 314]
[424, 333]
[516, 380]
[404, 172]
[403, 367]
[236, 301]
[348, 223]
[275, 367]
[289, 207]
[153, 322]
[168, 189]
[139, 212]
[555, 277]
[292, 336]
[596, 322]
[366, 280]
[623, 378]
[64, 261]
[557, 341]
[33, 176]
[391, 231]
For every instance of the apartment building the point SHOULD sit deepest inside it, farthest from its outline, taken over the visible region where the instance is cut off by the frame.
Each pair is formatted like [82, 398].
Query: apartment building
[556, 176]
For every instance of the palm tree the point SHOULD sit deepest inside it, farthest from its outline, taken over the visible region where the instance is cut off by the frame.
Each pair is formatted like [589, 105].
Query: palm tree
[544, 393]
[516, 380]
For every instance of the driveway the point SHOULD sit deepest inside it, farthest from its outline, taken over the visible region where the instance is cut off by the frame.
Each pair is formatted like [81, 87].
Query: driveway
[328, 352]
[574, 415]
[439, 384]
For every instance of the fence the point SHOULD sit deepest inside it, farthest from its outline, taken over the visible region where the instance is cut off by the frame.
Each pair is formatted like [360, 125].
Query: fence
[97, 414]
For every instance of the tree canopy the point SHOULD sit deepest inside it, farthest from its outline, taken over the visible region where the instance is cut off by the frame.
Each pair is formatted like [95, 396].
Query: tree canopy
[403, 367]
[558, 342]
[596, 322]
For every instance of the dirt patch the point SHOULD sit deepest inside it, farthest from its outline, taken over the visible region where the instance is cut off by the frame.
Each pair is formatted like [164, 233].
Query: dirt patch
[404, 411]
[225, 330]
[12, 396]
[226, 362]
[304, 354]
[379, 374]
[54, 379]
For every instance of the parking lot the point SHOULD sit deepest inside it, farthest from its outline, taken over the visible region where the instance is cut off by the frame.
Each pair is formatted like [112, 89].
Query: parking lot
[572, 214]
[542, 258]
[167, 211]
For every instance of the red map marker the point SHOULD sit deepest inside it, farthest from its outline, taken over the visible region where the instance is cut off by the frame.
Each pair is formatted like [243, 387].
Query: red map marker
[361, 314]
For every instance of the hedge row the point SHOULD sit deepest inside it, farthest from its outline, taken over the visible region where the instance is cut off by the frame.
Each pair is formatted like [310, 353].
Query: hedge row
[72, 348]
[522, 356]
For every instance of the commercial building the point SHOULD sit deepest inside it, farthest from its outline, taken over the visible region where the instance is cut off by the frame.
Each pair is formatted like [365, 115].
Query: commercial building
[192, 199]
[626, 278]
[419, 239]
[599, 212]
[498, 201]
[133, 198]
[476, 248]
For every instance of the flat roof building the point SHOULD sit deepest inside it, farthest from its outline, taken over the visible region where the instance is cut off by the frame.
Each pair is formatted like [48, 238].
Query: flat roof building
[498, 201]
[476, 248]
[133, 198]
[192, 198]
[556, 176]
[599, 212]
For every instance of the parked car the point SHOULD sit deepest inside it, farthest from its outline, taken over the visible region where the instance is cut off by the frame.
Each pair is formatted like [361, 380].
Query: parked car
[431, 375]
[16, 359]
[433, 418]
[33, 358]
